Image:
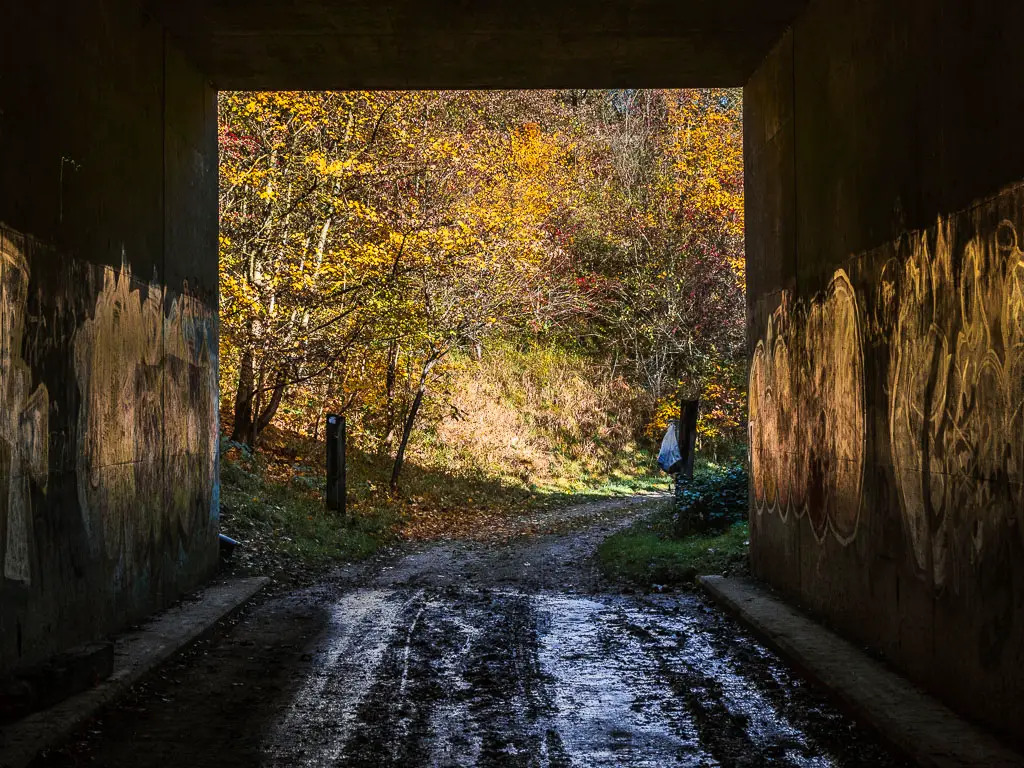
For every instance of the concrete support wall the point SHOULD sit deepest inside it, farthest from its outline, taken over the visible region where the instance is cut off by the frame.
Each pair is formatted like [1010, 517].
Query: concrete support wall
[108, 335]
[886, 311]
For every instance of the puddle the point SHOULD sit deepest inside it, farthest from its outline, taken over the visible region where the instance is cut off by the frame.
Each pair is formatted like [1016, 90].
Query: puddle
[478, 677]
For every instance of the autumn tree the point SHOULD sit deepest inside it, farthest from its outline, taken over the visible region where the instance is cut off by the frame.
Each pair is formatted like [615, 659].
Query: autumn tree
[367, 237]
[473, 245]
[658, 244]
[302, 267]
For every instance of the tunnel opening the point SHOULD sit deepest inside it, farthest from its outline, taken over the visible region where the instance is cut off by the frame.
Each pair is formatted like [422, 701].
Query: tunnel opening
[596, 220]
[883, 310]
[515, 289]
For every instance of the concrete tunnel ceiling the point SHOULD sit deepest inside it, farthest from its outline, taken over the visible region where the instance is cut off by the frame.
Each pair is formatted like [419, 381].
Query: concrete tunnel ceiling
[319, 44]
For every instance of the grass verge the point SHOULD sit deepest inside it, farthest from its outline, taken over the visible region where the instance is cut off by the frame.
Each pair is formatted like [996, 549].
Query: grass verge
[651, 554]
[646, 559]
[285, 529]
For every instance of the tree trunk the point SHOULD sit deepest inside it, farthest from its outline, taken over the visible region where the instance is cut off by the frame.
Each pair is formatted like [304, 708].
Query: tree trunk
[406, 433]
[258, 391]
[264, 417]
[389, 411]
[410, 421]
[328, 389]
[243, 432]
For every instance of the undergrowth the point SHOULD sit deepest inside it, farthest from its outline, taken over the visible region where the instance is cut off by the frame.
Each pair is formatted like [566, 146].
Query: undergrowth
[654, 554]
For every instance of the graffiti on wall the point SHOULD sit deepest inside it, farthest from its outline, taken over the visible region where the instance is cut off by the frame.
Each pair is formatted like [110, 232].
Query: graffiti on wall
[24, 443]
[956, 391]
[147, 425]
[945, 321]
[143, 433]
[807, 433]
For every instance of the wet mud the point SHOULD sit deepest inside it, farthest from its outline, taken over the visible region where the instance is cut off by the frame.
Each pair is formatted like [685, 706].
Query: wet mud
[459, 654]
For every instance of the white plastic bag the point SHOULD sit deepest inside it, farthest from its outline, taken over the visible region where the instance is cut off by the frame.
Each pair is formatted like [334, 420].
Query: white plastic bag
[669, 456]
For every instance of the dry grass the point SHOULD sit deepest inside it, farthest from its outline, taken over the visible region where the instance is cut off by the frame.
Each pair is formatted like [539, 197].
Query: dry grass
[544, 418]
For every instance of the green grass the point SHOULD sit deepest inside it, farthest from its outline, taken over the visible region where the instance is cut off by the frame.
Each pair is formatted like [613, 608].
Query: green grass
[651, 552]
[643, 556]
[290, 519]
[635, 472]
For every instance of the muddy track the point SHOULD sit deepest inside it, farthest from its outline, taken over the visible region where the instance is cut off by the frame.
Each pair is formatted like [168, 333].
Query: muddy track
[458, 654]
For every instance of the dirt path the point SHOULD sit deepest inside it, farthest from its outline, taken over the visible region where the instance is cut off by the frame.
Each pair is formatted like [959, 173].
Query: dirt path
[458, 654]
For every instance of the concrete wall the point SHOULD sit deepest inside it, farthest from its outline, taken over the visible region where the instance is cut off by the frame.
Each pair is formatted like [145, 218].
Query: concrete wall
[108, 335]
[886, 311]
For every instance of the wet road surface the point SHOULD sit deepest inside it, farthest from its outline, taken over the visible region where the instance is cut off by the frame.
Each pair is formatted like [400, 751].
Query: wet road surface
[463, 655]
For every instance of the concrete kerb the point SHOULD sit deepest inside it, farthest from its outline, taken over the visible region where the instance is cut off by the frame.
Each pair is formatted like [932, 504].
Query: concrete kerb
[135, 654]
[918, 724]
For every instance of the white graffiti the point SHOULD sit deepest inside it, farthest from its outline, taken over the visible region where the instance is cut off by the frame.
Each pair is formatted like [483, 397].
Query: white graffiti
[147, 423]
[945, 317]
[956, 392]
[24, 434]
[806, 420]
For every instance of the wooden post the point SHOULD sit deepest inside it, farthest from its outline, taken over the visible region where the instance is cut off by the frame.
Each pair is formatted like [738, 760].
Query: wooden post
[336, 463]
[688, 436]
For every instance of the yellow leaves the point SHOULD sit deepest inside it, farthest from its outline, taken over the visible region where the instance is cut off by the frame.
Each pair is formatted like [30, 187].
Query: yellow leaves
[705, 147]
[531, 150]
[332, 167]
[722, 405]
